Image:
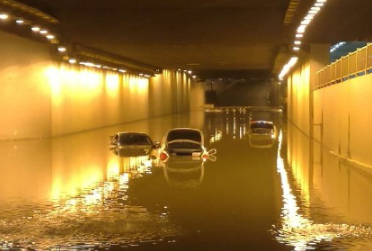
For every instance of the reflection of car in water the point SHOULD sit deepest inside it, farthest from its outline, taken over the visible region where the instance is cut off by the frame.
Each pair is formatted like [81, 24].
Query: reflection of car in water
[184, 142]
[185, 172]
[133, 144]
[262, 134]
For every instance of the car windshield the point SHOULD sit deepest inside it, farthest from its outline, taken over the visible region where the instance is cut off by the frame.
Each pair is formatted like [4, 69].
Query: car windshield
[184, 134]
[135, 139]
[262, 126]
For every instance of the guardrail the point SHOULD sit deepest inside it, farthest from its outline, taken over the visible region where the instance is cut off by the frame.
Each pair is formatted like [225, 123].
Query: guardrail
[355, 64]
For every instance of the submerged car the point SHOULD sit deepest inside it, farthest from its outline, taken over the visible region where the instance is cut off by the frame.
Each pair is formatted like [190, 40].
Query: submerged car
[262, 134]
[184, 142]
[133, 144]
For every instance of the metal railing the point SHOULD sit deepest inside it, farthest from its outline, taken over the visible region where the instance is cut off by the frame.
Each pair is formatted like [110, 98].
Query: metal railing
[355, 64]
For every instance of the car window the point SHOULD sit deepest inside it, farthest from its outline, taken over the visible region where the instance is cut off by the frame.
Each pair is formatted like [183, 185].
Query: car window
[261, 126]
[114, 139]
[135, 139]
[184, 134]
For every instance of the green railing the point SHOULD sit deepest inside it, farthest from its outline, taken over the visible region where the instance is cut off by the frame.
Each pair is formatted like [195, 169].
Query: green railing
[355, 64]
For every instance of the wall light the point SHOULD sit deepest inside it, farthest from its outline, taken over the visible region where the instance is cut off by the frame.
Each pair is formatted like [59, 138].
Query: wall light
[35, 28]
[50, 36]
[287, 67]
[20, 21]
[4, 16]
[62, 49]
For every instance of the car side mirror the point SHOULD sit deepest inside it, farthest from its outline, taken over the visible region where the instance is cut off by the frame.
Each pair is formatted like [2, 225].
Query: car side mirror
[156, 145]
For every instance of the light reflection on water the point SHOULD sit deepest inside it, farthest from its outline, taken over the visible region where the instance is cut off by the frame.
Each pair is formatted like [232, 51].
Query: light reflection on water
[96, 216]
[300, 231]
[72, 193]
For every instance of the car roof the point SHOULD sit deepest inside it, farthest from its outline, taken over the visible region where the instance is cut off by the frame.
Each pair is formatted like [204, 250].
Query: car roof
[185, 128]
[261, 122]
[134, 133]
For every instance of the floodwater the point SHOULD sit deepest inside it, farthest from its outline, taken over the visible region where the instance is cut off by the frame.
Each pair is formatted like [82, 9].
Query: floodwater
[72, 193]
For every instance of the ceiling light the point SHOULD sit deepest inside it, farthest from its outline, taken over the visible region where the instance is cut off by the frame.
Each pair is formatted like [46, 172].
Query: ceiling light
[61, 49]
[20, 21]
[72, 61]
[35, 28]
[50, 36]
[306, 21]
[297, 42]
[299, 35]
[123, 71]
[301, 29]
[288, 66]
[43, 31]
[296, 48]
[4, 16]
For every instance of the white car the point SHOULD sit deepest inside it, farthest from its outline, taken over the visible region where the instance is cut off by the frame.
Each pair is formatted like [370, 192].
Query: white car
[262, 134]
[184, 142]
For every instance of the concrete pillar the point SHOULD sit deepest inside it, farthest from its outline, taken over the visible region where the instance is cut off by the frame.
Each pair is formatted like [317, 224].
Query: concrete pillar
[319, 58]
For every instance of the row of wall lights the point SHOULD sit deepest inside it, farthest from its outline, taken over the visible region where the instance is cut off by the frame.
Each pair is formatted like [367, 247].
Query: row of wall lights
[188, 72]
[61, 49]
[34, 27]
[318, 4]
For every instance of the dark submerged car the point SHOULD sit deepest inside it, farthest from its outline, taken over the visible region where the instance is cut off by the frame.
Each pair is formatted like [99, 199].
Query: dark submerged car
[133, 144]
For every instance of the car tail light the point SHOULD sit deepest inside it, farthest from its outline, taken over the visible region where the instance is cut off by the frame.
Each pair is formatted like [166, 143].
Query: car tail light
[205, 156]
[164, 156]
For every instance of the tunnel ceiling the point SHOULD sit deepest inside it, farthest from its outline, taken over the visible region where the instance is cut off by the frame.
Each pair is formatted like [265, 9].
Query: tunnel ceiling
[215, 38]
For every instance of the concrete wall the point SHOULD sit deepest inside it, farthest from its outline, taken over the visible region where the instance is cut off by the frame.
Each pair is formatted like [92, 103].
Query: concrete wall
[300, 86]
[25, 108]
[338, 116]
[324, 181]
[41, 98]
[344, 112]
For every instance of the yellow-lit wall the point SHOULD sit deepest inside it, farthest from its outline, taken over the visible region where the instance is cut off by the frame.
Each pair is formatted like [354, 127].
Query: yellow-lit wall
[346, 118]
[324, 182]
[85, 98]
[300, 86]
[298, 97]
[25, 108]
[40, 97]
